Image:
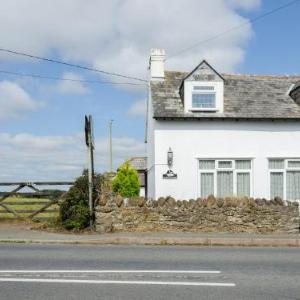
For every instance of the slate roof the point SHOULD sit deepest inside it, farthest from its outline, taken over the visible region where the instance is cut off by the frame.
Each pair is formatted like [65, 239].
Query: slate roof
[139, 163]
[245, 97]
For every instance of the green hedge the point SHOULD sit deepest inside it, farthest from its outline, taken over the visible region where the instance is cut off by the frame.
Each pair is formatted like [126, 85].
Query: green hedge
[74, 208]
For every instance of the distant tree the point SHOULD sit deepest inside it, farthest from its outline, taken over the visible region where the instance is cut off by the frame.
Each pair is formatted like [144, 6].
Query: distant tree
[126, 183]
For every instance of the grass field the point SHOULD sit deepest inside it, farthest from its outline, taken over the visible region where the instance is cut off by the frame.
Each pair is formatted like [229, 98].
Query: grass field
[26, 206]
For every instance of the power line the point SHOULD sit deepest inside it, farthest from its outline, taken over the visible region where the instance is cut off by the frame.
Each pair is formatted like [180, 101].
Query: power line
[69, 64]
[251, 21]
[38, 76]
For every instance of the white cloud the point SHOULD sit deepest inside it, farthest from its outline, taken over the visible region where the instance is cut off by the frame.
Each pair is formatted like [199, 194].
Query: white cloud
[117, 35]
[72, 87]
[245, 4]
[15, 101]
[138, 108]
[29, 157]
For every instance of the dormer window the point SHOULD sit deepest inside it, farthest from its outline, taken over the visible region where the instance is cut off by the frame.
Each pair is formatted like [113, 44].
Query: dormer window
[202, 90]
[204, 97]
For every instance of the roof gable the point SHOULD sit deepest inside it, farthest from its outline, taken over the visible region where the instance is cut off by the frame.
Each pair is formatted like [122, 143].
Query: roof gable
[203, 72]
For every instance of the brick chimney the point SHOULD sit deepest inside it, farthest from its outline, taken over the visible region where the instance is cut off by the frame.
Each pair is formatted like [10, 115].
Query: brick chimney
[157, 64]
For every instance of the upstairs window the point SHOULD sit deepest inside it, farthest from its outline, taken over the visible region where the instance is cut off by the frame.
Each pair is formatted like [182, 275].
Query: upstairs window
[204, 98]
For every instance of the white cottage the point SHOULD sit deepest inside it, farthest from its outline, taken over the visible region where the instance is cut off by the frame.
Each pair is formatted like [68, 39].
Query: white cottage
[222, 134]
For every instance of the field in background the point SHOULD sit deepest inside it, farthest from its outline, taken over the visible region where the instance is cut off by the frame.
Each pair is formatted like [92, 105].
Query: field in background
[27, 206]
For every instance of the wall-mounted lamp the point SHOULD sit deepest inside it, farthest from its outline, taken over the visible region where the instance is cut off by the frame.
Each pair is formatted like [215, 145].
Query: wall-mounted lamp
[170, 158]
[170, 174]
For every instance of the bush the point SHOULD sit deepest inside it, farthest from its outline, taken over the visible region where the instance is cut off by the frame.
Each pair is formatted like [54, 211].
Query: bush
[126, 183]
[74, 208]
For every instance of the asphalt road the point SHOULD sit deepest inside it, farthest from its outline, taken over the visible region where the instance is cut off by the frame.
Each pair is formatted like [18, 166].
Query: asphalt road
[123, 272]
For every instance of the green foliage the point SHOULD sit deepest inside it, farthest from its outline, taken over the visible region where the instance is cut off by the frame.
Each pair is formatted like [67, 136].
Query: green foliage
[126, 183]
[74, 209]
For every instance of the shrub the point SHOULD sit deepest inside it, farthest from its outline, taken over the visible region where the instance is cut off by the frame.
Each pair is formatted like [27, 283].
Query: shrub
[74, 208]
[126, 183]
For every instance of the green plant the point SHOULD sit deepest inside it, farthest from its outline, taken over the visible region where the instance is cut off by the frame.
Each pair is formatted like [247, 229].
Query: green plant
[126, 183]
[74, 208]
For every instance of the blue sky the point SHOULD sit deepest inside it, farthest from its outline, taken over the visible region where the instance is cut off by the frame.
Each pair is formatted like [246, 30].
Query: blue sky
[274, 48]
[41, 123]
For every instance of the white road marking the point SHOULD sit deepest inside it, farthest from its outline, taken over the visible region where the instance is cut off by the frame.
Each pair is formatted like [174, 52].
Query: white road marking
[174, 283]
[114, 271]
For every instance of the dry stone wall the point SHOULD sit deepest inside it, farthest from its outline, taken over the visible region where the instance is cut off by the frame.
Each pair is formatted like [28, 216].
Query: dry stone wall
[113, 213]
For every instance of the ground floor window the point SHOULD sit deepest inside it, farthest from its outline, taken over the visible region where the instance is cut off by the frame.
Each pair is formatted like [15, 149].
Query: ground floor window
[225, 177]
[285, 178]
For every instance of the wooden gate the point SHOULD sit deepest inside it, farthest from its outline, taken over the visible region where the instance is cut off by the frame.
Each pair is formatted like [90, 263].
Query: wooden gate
[37, 204]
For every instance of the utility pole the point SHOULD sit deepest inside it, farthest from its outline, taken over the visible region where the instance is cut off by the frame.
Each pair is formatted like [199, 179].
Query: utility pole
[89, 139]
[110, 145]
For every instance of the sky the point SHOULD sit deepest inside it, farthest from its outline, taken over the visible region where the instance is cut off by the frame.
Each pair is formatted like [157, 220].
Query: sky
[41, 120]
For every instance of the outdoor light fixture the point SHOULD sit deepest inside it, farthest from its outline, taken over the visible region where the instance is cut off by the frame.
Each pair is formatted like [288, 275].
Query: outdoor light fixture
[170, 174]
[170, 158]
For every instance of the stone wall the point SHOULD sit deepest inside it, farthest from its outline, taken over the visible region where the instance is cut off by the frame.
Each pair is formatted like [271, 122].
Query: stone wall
[113, 213]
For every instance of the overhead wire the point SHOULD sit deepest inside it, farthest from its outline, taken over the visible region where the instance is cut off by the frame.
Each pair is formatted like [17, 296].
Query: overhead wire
[14, 52]
[38, 76]
[251, 21]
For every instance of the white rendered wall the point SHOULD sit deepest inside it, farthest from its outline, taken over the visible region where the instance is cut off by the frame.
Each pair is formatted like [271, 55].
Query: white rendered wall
[150, 149]
[191, 140]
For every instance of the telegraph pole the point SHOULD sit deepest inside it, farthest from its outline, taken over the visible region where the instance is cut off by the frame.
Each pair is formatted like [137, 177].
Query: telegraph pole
[89, 139]
[110, 145]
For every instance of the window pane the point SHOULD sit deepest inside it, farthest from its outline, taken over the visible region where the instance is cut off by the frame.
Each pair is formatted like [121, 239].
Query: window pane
[225, 164]
[276, 185]
[293, 164]
[207, 184]
[225, 183]
[243, 164]
[293, 185]
[276, 164]
[243, 184]
[205, 100]
[207, 164]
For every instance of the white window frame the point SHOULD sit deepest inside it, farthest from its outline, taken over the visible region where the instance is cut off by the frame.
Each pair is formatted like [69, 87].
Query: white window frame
[283, 171]
[204, 92]
[218, 89]
[232, 169]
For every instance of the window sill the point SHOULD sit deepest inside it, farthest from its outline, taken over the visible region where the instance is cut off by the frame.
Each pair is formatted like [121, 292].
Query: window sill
[203, 110]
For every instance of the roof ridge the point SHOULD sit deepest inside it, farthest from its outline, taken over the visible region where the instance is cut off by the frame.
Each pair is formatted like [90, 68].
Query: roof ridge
[261, 75]
[297, 76]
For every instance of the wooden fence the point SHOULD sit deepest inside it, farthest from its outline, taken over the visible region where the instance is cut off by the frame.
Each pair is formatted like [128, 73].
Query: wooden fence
[36, 205]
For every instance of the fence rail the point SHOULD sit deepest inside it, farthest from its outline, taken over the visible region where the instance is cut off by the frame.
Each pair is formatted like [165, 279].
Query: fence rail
[22, 206]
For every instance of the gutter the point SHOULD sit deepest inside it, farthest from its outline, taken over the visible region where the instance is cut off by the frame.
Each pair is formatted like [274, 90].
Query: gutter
[225, 119]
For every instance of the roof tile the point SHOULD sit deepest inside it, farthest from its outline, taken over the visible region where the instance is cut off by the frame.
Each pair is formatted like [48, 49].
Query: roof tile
[245, 97]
